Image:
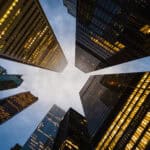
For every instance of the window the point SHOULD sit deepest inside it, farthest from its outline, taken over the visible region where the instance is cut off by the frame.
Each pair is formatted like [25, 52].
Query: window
[145, 29]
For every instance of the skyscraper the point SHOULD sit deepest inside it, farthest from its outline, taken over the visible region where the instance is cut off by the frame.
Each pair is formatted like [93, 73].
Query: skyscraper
[27, 37]
[71, 6]
[101, 94]
[10, 81]
[45, 133]
[121, 120]
[2, 71]
[110, 32]
[12, 105]
[72, 133]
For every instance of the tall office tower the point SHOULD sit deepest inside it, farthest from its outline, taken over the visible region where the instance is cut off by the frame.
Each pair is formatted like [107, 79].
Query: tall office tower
[101, 95]
[2, 70]
[121, 122]
[71, 6]
[12, 105]
[45, 133]
[72, 133]
[27, 37]
[110, 32]
[10, 81]
[16, 147]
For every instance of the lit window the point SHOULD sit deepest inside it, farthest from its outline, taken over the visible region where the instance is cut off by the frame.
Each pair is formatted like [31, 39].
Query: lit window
[120, 45]
[145, 29]
[8, 11]
[107, 45]
[121, 122]
[9, 24]
[1, 46]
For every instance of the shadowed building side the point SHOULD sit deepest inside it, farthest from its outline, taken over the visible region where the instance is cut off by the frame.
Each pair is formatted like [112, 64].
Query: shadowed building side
[72, 133]
[87, 61]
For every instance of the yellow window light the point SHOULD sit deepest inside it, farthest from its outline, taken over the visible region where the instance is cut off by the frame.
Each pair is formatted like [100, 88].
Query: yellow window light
[8, 11]
[145, 29]
[124, 118]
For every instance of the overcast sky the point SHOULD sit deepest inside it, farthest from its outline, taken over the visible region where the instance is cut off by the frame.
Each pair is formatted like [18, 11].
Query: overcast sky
[51, 87]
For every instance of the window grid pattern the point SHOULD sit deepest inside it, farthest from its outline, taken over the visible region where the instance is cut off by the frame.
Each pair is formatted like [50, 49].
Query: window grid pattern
[139, 131]
[125, 116]
[23, 26]
[8, 12]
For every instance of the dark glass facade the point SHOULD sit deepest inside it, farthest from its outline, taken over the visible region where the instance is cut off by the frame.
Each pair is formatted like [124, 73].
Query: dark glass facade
[101, 95]
[27, 37]
[130, 129]
[117, 109]
[72, 133]
[10, 81]
[12, 105]
[71, 6]
[111, 31]
[46, 131]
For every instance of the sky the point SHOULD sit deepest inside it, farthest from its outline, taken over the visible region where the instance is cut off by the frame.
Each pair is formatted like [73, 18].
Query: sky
[51, 87]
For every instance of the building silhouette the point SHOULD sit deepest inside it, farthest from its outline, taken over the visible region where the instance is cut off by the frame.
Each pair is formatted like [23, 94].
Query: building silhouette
[71, 6]
[120, 105]
[72, 133]
[110, 32]
[13, 105]
[45, 133]
[2, 70]
[10, 81]
[27, 37]
[16, 147]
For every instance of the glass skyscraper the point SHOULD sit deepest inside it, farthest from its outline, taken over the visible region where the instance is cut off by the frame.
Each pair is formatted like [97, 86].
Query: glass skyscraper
[110, 32]
[118, 113]
[2, 70]
[10, 81]
[13, 105]
[72, 133]
[27, 37]
[130, 128]
[45, 133]
[71, 6]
